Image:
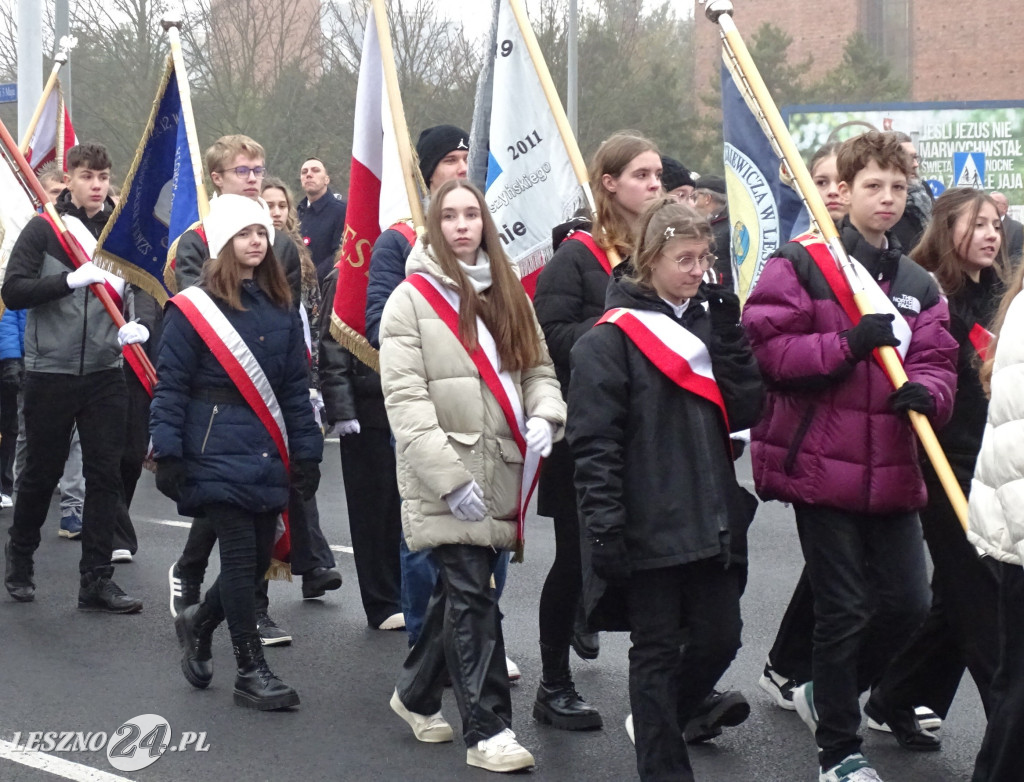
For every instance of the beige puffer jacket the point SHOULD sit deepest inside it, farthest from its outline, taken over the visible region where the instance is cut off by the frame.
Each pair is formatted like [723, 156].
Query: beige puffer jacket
[997, 491]
[448, 426]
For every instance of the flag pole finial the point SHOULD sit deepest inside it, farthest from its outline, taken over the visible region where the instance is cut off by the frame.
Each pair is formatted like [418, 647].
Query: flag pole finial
[715, 8]
[64, 47]
[169, 21]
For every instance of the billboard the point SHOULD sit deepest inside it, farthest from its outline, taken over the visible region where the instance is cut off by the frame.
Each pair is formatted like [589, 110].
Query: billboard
[963, 144]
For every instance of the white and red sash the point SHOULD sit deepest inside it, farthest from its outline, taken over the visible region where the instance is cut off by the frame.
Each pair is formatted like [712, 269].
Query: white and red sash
[234, 355]
[823, 259]
[679, 354]
[114, 284]
[445, 302]
[587, 240]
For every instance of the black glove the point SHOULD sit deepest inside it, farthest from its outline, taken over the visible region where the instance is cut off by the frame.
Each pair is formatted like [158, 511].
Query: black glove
[723, 307]
[872, 331]
[305, 478]
[609, 558]
[170, 476]
[912, 396]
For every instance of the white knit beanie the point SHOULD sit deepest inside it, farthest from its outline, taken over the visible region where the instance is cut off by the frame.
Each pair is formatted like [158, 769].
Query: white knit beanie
[228, 215]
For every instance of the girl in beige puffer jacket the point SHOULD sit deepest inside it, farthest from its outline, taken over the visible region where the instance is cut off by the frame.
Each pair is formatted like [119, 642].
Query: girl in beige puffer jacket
[472, 400]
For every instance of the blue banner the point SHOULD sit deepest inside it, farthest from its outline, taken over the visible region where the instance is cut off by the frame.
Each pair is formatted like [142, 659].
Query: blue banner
[158, 202]
[765, 213]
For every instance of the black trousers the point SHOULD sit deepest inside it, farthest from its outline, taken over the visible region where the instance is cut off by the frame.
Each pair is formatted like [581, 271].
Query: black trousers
[461, 632]
[374, 520]
[999, 759]
[136, 443]
[867, 572]
[962, 627]
[560, 596]
[53, 404]
[790, 655]
[667, 678]
[246, 542]
[309, 546]
[10, 385]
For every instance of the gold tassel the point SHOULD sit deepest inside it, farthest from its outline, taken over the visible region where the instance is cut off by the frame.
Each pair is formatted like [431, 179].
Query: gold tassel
[517, 556]
[279, 571]
[131, 274]
[354, 342]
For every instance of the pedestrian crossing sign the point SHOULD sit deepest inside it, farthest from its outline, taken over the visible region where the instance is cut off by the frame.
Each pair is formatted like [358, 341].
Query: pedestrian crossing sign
[969, 169]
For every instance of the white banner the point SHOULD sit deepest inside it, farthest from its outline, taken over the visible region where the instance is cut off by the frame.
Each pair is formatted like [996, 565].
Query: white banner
[531, 186]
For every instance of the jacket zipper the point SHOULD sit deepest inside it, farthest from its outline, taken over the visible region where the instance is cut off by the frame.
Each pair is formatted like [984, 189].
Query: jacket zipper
[209, 426]
[85, 333]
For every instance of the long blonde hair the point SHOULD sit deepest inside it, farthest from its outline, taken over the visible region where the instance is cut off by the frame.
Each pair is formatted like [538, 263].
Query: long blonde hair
[505, 308]
[611, 230]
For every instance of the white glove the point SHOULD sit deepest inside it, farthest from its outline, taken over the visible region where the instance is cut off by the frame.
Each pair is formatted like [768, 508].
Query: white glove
[86, 274]
[132, 333]
[539, 436]
[467, 502]
[316, 399]
[342, 428]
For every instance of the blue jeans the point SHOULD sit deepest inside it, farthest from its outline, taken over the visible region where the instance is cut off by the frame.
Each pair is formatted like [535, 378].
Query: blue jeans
[870, 586]
[419, 574]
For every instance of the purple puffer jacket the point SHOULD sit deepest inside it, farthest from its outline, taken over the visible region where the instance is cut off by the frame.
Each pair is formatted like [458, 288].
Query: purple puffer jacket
[828, 436]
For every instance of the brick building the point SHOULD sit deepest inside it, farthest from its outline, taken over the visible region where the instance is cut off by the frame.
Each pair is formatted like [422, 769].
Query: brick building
[947, 49]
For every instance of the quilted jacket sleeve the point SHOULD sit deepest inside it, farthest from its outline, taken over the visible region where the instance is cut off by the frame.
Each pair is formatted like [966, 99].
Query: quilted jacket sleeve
[305, 442]
[387, 270]
[932, 357]
[177, 364]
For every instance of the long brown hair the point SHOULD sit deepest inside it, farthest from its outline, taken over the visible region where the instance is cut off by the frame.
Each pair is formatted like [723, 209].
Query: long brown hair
[1013, 288]
[504, 308]
[938, 252]
[661, 215]
[291, 228]
[221, 278]
[611, 230]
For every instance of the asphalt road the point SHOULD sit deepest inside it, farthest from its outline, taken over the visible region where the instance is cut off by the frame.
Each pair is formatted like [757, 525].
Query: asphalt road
[63, 670]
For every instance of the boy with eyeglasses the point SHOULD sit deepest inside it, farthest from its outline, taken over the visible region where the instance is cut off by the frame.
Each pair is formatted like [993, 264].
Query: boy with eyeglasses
[236, 165]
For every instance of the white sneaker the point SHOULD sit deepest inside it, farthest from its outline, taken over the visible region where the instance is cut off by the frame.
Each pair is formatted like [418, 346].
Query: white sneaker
[428, 728]
[803, 701]
[393, 622]
[500, 753]
[629, 728]
[120, 555]
[6, 501]
[926, 718]
[854, 768]
[514, 674]
[778, 686]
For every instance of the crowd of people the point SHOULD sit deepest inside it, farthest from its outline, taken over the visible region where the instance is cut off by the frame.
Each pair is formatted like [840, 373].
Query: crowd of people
[625, 391]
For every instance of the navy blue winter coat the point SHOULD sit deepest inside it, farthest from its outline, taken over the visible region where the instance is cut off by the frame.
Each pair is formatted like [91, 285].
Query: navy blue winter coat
[229, 455]
[387, 270]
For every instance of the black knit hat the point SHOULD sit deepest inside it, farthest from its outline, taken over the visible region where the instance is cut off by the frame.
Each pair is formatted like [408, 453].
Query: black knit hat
[674, 174]
[713, 183]
[436, 142]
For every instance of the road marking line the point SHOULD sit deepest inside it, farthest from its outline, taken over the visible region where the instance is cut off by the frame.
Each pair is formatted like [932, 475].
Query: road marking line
[56, 766]
[188, 525]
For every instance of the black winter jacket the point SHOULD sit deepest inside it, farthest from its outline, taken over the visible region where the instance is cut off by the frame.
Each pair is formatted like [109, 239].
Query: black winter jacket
[229, 455]
[350, 389]
[66, 331]
[652, 459]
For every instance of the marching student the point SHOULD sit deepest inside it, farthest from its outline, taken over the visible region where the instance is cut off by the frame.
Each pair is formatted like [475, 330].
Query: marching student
[997, 528]
[962, 246]
[473, 403]
[233, 430]
[625, 176]
[836, 441]
[73, 377]
[655, 389]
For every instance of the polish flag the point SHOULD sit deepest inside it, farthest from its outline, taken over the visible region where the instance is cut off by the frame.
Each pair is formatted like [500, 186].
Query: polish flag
[376, 195]
[53, 133]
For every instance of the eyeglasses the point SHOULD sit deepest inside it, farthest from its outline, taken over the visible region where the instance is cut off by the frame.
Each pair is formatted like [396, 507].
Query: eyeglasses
[685, 263]
[242, 172]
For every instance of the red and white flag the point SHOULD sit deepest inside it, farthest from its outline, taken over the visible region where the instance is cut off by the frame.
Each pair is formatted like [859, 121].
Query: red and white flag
[54, 135]
[377, 196]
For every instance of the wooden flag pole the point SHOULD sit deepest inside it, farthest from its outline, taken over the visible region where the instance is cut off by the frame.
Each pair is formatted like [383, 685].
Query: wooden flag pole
[720, 12]
[64, 47]
[405, 154]
[540, 65]
[172, 28]
[78, 257]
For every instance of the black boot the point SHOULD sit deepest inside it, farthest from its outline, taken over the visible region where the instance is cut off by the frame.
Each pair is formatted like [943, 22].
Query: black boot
[98, 592]
[256, 687]
[195, 626]
[727, 708]
[586, 644]
[18, 575]
[558, 704]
